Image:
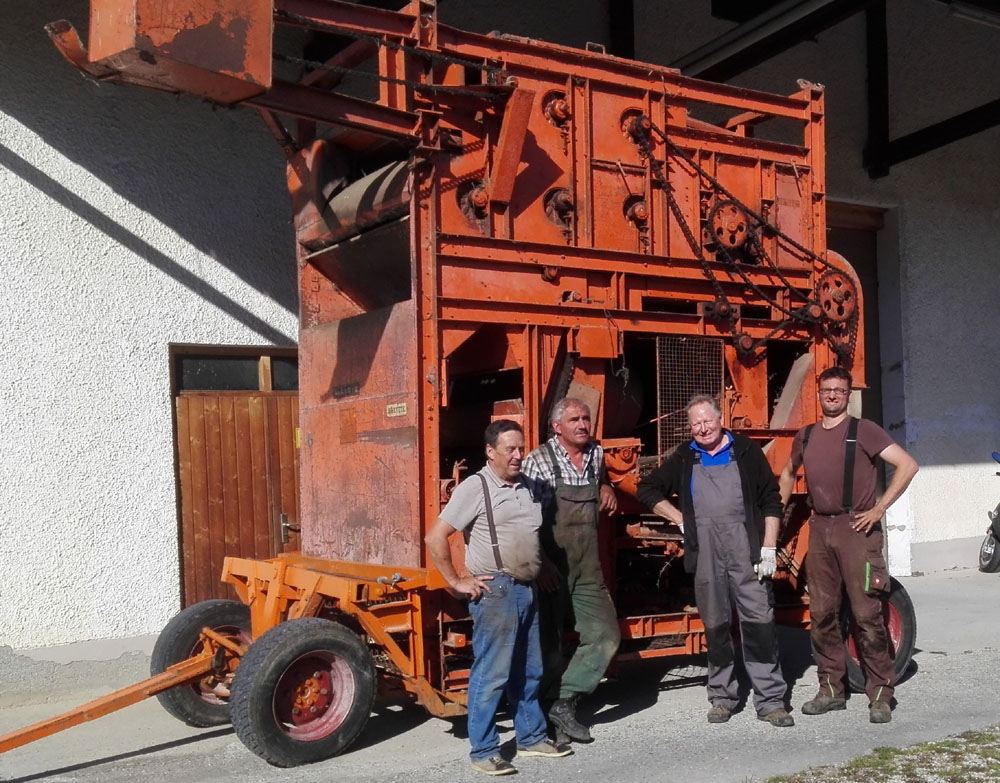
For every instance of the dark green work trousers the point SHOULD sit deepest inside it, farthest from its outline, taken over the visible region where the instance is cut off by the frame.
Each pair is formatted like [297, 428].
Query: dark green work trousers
[570, 540]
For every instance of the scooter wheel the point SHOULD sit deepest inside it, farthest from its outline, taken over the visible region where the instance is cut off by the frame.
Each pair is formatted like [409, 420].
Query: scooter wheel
[989, 554]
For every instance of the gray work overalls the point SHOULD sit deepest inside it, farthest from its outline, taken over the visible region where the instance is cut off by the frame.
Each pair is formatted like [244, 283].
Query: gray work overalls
[725, 576]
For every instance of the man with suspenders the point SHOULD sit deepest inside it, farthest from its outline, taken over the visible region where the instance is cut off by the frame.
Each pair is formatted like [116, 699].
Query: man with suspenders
[500, 520]
[566, 473]
[845, 541]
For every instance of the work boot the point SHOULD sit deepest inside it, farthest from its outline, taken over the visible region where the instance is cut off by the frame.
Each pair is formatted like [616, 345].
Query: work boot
[562, 713]
[494, 765]
[719, 714]
[822, 703]
[879, 712]
[546, 749]
[778, 717]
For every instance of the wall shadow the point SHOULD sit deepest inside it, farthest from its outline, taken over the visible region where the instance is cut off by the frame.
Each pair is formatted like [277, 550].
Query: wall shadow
[213, 176]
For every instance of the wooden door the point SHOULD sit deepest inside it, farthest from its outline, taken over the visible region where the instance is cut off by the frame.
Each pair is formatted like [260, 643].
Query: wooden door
[238, 467]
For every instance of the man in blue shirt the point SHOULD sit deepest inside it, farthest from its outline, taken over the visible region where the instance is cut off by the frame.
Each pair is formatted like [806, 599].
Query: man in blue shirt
[729, 509]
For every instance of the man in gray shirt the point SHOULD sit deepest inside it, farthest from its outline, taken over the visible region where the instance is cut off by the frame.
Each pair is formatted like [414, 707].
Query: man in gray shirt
[500, 520]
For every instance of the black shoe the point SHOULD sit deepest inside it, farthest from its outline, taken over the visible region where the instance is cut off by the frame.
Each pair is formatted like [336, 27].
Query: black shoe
[562, 713]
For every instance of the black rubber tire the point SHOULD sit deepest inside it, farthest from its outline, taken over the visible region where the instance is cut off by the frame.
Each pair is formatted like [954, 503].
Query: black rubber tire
[989, 554]
[902, 649]
[282, 671]
[179, 640]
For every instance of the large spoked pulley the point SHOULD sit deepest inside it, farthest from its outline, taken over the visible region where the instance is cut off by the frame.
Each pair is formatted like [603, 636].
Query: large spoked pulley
[838, 296]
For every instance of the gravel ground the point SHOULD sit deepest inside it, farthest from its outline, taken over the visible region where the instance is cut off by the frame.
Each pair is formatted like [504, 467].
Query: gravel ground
[649, 724]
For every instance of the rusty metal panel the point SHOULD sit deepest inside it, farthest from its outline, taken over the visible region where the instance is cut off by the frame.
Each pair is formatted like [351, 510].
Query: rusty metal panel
[360, 453]
[219, 49]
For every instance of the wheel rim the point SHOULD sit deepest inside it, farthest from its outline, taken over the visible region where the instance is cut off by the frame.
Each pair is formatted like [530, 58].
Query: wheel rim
[987, 549]
[893, 627]
[213, 688]
[314, 696]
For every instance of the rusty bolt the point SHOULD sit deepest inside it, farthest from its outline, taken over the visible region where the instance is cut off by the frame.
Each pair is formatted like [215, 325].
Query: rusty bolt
[722, 308]
[814, 311]
[560, 110]
[744, 342]
[550, 274]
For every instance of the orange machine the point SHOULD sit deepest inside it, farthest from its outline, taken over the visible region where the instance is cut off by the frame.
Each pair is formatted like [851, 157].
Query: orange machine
[495, 223]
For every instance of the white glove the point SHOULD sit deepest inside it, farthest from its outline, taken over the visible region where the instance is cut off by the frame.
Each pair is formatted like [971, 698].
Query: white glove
[768, 563]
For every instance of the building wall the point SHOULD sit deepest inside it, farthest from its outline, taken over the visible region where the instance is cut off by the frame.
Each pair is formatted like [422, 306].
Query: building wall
[128, 220]
[937, 254]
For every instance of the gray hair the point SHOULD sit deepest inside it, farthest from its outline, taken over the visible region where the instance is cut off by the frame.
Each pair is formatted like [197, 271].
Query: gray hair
[559, 409]
[703, 399]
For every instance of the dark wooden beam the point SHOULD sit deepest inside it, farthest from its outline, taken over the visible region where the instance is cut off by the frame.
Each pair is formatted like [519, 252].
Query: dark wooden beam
[765, 36]
[945, 132]
[876, 151]
[621, 28]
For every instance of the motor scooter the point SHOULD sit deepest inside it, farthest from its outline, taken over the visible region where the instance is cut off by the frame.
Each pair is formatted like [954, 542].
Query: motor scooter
[989, 552]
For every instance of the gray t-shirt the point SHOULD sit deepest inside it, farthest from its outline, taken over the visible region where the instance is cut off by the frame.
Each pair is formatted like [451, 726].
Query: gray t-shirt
[517, 517]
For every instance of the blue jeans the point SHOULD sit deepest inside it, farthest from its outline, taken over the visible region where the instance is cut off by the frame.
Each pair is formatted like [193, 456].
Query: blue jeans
[508, 658]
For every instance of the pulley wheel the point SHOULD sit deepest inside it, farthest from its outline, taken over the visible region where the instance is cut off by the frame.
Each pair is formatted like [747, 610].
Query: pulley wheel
[728, 225]
[837, 295]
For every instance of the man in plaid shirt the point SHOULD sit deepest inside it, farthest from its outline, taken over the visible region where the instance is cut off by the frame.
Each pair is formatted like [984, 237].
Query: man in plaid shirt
[566, 473]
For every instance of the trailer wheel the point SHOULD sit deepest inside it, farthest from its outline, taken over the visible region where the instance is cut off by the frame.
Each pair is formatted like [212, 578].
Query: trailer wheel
[303, 692]
[206, 702]
[989, 554]
[901, 628]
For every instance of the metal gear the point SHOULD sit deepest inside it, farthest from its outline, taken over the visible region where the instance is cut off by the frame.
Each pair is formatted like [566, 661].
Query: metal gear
[728, 225]
[838, 296]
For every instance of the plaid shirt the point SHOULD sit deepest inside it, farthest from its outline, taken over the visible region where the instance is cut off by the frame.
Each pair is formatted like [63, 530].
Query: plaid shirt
[540, 476]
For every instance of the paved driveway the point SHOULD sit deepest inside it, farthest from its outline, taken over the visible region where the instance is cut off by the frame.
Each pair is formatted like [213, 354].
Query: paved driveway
[650, 724]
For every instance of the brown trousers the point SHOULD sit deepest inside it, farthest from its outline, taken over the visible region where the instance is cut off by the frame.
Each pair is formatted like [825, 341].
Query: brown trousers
[841, 559]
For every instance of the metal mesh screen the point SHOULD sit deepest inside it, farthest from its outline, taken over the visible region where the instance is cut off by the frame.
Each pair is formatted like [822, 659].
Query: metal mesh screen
[685, 366]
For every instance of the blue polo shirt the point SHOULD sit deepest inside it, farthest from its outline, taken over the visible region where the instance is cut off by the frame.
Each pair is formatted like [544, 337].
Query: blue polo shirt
[721, 457]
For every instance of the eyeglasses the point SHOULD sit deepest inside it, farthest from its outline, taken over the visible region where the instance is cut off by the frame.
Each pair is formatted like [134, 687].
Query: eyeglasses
[837, 392]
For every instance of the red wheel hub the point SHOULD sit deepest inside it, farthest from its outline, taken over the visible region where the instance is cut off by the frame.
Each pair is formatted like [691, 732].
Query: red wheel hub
[314, 695]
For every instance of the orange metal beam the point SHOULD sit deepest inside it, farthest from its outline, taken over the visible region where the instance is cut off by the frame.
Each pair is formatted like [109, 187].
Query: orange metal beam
[178, 674]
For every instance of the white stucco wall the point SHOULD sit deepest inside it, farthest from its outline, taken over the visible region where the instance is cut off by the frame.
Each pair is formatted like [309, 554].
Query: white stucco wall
[128, 220]
[938, 253]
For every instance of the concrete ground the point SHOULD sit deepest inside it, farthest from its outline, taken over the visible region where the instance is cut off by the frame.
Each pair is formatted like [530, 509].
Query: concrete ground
[649, 724]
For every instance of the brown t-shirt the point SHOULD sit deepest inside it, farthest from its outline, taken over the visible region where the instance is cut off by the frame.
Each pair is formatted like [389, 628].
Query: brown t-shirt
[824, 465]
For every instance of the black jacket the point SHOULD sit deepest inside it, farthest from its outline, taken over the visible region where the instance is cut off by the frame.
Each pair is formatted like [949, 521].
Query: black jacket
[761, 497]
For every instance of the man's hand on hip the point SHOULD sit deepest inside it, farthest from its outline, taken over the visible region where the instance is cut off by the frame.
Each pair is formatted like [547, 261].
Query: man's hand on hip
[768, 563]
[866, 520]
[471, 586]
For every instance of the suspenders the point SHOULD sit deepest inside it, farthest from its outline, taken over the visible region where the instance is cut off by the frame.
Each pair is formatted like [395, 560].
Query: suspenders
[850, 449]
[492, 525]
